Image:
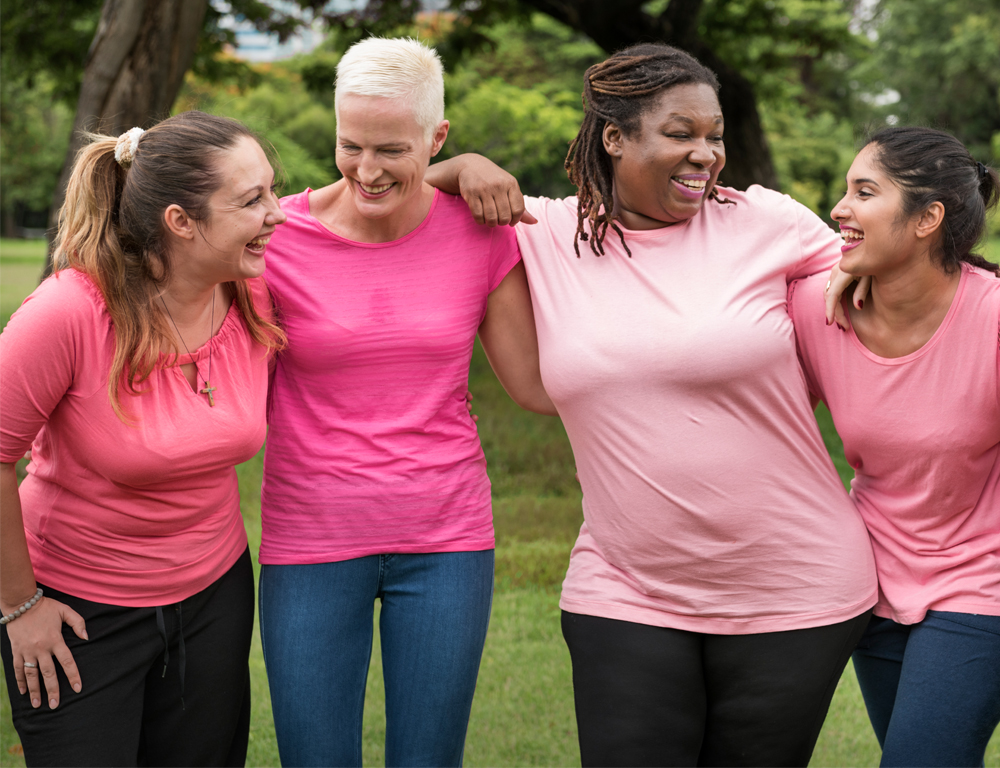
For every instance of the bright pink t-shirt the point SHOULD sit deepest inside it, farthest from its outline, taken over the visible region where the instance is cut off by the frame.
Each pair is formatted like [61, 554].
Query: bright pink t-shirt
[133, 515]
[923, 435]
[710, 503]
[371, 449]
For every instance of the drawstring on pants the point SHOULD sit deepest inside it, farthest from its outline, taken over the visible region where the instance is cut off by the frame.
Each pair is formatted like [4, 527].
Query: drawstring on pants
[161, 625]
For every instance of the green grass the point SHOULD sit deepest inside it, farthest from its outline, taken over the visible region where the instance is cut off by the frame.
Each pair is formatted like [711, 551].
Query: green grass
[523, 711]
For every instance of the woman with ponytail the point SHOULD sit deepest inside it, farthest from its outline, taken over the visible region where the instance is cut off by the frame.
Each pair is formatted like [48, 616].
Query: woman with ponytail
[137, 377]
[914, 389]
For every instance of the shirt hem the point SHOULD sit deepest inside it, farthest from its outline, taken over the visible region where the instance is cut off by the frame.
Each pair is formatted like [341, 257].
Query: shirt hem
[336, 556]
[955, 606]
[748, 625]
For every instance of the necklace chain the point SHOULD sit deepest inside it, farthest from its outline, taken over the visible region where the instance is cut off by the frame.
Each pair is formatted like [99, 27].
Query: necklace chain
[208, 389]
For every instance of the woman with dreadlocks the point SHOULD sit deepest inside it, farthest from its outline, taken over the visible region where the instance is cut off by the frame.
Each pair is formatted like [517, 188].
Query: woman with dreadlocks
[722, 576]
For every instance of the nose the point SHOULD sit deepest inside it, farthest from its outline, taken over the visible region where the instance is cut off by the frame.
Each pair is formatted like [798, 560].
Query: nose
[368, 168]
[838, 213]
[703, 154]
[274, 214]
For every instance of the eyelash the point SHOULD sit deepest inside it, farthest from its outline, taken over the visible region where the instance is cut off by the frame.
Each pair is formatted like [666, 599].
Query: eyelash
[257, 199]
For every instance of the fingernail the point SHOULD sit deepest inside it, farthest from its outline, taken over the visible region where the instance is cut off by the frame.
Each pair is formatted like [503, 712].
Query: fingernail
[85, 635]
[53, 703]
[861, 304]
[828, 322]
[77, 687]
[36, 703]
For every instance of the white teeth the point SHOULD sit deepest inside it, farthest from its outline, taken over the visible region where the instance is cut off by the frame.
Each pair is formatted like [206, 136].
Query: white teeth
[374, 190]
[692, 183]
[852, 234]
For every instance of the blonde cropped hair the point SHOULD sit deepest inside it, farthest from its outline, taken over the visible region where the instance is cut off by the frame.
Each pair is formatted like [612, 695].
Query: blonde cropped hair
[400, 68]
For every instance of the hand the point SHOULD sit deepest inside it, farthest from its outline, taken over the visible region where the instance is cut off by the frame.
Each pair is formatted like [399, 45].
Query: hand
[492, 194]
[838, 283]
[36, 637]
[468, 405]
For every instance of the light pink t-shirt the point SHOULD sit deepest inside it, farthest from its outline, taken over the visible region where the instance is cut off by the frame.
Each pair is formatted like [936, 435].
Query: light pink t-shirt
[923, 435]
[133, 515]
[710, 503]
[371, 449]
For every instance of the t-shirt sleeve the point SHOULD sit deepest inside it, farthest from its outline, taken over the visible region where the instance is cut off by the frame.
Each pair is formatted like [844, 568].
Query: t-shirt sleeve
[818, 244]
[803, 315]
[40, 348]
[504, 254]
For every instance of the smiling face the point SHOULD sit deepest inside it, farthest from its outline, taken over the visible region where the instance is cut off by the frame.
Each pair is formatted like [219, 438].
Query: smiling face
[875, 239]
[383, 153]
[242, 214]
[664, 172]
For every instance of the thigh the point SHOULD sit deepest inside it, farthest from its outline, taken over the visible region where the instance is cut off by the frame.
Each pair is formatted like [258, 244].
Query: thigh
[316, 631]
[435, 614]
[769, 693]
[101, 725]
[878, 662]
[639, 691]
[948, 703]
[196, 708]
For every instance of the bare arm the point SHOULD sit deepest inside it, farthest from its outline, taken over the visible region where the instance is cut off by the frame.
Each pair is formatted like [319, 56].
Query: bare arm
[36, 635]
[492, 194]
[508, 337]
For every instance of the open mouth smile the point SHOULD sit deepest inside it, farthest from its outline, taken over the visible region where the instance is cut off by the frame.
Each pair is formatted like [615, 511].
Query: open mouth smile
[691, 186]
[258, 244]
[852, 238]
[374, 191]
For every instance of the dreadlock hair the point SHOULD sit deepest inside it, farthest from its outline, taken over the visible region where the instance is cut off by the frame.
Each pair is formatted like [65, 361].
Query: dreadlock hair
[620, 90]
[933, 166]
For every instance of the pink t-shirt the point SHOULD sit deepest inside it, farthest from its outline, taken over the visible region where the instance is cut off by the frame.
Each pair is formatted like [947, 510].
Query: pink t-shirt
[133, 515]
[710, 503]
[923, 435]
[370, 448]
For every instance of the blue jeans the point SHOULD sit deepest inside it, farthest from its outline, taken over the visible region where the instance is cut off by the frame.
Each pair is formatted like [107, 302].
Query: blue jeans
[932, 689]
[316, 629]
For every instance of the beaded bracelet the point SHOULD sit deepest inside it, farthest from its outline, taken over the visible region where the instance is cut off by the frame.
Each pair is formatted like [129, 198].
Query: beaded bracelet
[11, 616]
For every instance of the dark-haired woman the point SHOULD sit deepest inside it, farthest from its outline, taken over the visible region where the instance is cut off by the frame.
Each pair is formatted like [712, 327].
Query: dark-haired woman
[914, 389]
[137, 375]
[722, 576]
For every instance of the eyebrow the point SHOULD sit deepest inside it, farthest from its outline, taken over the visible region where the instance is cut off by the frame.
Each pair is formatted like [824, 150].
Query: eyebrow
[865, 181]
[686, 119]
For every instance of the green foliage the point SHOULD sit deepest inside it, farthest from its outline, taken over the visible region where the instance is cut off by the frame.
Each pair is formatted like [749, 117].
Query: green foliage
[943, 58]
[34, 133]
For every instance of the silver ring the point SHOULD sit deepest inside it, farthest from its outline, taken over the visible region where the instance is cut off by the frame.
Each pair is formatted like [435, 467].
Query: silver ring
[30, 665]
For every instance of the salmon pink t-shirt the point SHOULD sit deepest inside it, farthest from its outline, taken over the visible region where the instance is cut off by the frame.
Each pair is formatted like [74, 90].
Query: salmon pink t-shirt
[138, 514]
[710, 503]
[371, 449]
[922, 432]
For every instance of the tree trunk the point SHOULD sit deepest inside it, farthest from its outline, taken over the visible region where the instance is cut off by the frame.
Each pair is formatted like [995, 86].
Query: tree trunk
[134, 70]
[619, 24]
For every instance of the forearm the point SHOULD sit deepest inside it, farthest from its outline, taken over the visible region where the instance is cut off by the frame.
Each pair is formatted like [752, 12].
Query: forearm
[17, 579]
[444, 174]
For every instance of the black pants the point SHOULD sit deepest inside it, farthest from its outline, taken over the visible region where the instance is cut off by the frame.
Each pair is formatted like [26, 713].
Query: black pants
[165, 686]
[651, 696]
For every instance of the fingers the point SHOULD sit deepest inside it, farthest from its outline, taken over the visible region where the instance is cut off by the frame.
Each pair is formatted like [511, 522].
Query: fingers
[47, 667]
[32, 678]
[490, 215]
[861, 291]
[475, 207]
[65, 658]
[75, 621]
[527, 218]
[22, 682]
[840, 317]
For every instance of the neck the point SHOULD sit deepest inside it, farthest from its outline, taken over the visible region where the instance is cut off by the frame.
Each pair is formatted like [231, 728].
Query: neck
[189, 300]
[905, 297]
[337, 211]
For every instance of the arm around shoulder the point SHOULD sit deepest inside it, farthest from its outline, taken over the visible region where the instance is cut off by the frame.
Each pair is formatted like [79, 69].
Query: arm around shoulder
[511, 344]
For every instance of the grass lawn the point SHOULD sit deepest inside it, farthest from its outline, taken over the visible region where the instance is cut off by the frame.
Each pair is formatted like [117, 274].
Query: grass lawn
[523, 711]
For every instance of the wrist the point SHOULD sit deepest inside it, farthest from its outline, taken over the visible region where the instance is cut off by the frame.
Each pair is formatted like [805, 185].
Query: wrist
[21, 609]
[12, 601]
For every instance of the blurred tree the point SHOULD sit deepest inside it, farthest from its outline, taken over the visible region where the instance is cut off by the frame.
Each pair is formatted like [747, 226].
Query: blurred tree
[943, 61]
[736, 38]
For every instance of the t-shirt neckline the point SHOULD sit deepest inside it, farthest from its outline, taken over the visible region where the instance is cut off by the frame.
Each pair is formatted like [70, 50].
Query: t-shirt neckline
[325, 230]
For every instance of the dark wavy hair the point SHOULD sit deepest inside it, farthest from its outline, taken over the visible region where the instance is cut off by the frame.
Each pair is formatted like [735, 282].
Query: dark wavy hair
[932, 166]
[620, 90]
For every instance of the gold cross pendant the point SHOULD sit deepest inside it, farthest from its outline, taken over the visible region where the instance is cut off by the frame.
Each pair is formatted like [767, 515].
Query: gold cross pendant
[208, 390]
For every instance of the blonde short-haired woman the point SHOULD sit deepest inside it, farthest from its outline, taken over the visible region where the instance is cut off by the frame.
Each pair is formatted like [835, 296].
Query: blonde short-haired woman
[375, 483]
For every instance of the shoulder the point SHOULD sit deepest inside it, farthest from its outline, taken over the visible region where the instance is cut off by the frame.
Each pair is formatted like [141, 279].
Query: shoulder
[68, 293]
[806, 297]
[297, 204]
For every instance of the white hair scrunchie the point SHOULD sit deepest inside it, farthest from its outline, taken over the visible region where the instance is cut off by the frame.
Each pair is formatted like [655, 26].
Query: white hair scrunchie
[126, 146]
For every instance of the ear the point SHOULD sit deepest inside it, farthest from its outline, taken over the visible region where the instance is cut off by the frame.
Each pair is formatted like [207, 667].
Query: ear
[930, 220]
[440, 134]
[178, 222]
[613, 139]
